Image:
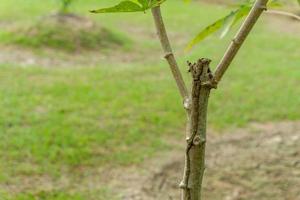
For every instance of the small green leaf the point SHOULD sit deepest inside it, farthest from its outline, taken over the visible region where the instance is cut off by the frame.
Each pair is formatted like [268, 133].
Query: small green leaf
[131, 6]
[124, 6]
[205, 33]
[144, 3]
[224, 24]
[228, 23]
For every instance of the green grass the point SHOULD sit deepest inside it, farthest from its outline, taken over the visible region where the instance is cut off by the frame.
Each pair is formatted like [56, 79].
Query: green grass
[58, 195]
[54, 120]
[65, 32]
[64, 37]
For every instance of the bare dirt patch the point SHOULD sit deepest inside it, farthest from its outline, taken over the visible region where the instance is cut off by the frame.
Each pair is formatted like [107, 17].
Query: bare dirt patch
[24, 57]
[261, 162]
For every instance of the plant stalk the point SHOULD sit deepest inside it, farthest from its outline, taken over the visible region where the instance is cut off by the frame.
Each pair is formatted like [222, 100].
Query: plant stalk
[196, 141]
[169, 55]
[196, 104]
[237, 42]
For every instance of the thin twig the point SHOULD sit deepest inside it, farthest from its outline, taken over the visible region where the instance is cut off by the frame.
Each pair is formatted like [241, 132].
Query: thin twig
[255, 13]
[169, 56]
[284, 13]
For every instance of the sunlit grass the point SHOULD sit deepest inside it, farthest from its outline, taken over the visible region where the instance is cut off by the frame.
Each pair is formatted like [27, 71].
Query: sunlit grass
[121, 113]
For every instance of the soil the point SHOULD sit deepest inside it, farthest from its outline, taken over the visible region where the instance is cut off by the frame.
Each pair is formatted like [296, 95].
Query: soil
[25, 57]
[261, 162]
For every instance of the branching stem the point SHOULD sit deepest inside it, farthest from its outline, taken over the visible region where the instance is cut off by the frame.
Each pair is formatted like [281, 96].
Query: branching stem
[237, 42]
[196, 103]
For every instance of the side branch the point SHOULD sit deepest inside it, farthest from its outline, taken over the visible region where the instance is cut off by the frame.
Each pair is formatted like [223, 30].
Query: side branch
[237, 42]
[284, 13]
[169, 56]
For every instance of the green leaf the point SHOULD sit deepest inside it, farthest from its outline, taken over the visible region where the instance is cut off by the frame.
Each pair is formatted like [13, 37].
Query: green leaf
[228, 23]
[144, 3]
[124, 6]
[131, 6]
[154, 3]
[205, 33]
[224, 24]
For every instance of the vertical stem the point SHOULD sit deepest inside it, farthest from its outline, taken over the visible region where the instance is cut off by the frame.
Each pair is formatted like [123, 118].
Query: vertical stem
[203, 82]
[195, 150]
[169, 56]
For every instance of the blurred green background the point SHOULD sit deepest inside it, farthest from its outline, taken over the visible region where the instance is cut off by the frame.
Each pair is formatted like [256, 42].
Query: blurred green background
[81, 92]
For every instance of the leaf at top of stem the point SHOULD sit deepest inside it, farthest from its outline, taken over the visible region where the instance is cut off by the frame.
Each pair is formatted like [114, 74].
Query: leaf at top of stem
[130, 6]
[224, 24]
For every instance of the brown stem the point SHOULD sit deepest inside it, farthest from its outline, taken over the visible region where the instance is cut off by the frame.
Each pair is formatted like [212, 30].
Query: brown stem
[169, 56]
[255, 13]
[195, 150]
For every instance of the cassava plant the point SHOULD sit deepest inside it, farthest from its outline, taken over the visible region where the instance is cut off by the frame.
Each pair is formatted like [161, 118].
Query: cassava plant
[195, 100]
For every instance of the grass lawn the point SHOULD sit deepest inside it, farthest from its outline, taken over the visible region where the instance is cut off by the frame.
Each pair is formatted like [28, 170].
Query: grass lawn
[66, 121]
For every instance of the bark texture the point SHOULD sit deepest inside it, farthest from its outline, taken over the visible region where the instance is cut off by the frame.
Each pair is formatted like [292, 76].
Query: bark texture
[196, 140]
